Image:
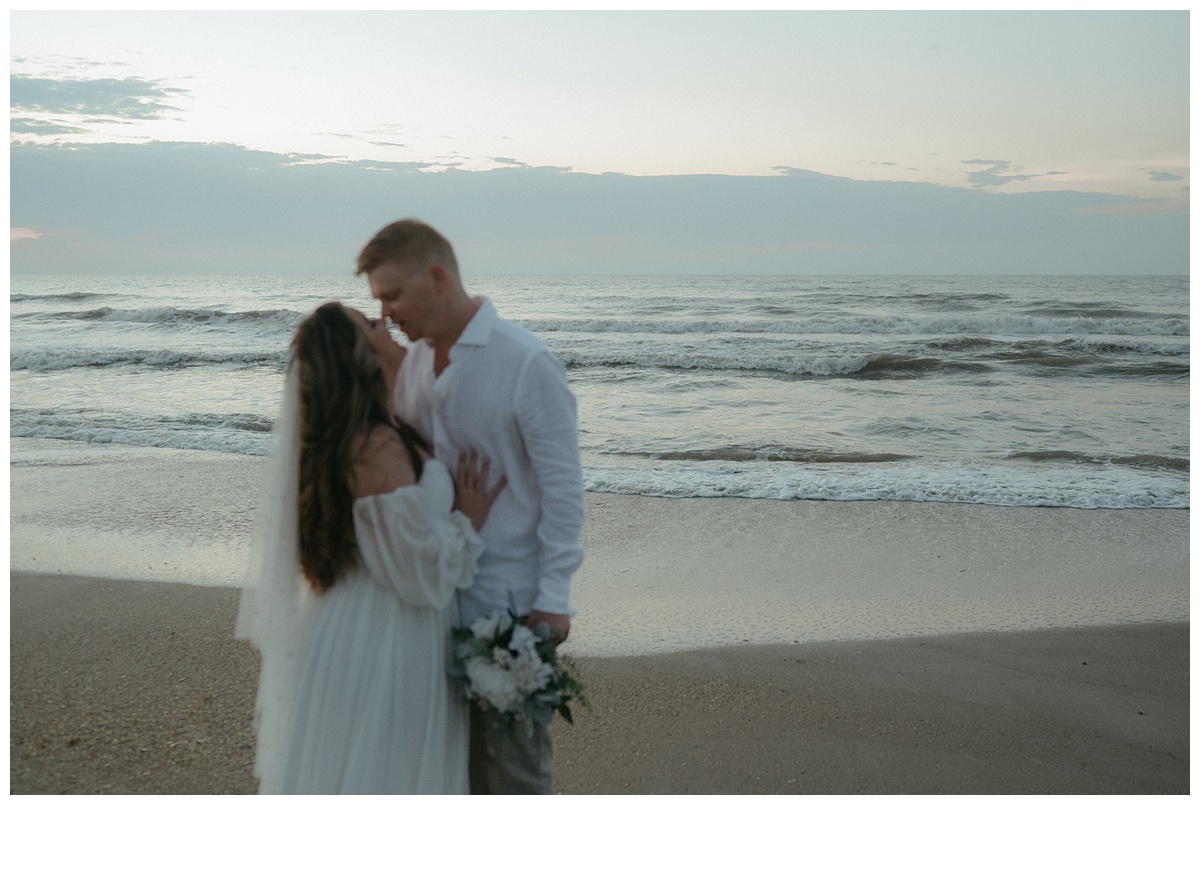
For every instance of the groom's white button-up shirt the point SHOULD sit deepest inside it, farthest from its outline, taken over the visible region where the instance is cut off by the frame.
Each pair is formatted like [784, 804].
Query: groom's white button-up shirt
[505, 395]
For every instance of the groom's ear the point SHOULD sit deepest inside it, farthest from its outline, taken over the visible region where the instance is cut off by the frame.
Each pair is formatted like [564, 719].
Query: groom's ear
[441, 278]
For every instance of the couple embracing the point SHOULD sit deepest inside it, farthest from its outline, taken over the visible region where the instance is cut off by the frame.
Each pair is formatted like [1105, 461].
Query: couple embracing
[408, 491]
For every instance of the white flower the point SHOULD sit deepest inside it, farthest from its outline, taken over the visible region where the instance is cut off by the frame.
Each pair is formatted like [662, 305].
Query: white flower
[530, 673]
[485, 628]
[501, 656]
[493, 684]
[523, 641]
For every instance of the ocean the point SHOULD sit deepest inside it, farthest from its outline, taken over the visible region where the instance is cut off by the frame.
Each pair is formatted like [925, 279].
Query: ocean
[1031, 391]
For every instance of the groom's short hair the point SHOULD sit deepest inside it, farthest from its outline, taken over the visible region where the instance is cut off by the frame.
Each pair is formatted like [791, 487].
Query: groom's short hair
[410, 243]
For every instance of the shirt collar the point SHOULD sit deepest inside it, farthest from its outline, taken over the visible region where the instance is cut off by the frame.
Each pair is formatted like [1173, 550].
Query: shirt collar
[479, 329]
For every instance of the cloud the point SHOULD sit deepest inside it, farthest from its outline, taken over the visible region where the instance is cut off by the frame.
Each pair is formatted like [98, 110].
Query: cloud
[166, 207]
[1164, 176]
[130, 98]
[510, 163]
[23, 233]
[30, 126]
[352, 136]
[794, 172]
[298, 159]
[992, 177]
[69, 65]
[387, 165]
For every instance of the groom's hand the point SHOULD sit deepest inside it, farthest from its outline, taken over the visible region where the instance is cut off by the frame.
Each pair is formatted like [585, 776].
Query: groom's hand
[560, 625]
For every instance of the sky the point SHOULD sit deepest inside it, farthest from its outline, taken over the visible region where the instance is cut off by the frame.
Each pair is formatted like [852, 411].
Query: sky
[602, 142]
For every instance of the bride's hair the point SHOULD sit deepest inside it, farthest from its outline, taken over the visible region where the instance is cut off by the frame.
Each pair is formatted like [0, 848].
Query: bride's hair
[342, 397]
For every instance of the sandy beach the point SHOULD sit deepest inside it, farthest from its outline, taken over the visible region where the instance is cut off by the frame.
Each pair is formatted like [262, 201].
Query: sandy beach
[130, 686]
[729, 645]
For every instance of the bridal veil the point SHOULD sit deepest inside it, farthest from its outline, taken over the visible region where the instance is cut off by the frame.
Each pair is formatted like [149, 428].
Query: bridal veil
[274, 596]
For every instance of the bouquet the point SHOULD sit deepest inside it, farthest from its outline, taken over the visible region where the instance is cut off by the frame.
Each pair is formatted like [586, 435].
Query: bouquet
[512, 672]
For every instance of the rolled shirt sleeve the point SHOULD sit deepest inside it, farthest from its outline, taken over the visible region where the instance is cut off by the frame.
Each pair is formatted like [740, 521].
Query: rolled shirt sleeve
[547, 418]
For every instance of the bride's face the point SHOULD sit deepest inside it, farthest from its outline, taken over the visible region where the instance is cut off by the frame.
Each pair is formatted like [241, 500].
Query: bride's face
[383, 345]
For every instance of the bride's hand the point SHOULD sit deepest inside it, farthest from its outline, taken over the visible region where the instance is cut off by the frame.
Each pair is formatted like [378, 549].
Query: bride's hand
[471, 494]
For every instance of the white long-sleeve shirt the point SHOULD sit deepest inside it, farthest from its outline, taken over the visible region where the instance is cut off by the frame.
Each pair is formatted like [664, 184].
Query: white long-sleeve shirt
[505, 395]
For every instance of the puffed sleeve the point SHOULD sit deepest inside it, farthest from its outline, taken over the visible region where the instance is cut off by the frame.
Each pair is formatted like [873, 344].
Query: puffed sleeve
[421, 555]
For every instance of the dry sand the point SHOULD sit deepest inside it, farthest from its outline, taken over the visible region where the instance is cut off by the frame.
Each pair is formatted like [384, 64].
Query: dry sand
[1082, 711]
[125, 687]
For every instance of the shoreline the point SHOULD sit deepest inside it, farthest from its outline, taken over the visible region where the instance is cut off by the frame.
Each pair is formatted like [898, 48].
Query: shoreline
[129, 687]
[663, 574]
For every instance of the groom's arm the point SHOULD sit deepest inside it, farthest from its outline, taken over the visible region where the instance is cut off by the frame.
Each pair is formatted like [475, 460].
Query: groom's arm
[546, 416]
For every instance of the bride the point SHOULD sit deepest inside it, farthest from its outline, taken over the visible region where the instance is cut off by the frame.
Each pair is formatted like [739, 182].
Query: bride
[362, 540]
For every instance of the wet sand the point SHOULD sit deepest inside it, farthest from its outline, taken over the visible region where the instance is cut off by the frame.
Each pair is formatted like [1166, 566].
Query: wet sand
[660, 575]
[123, 687]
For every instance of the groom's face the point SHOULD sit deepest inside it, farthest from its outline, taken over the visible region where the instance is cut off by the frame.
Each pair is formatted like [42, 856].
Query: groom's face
[407, 296]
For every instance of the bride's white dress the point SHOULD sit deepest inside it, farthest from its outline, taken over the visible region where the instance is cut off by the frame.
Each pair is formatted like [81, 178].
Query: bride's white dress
[372, 709]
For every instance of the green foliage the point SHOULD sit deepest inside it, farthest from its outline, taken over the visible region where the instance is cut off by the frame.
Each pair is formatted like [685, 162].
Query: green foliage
[560, 691]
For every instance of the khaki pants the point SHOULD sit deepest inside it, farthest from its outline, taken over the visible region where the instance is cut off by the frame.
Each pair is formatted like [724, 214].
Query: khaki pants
[510, 763]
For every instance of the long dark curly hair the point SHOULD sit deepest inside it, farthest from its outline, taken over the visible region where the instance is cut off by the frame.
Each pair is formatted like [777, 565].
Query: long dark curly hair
[342, 398]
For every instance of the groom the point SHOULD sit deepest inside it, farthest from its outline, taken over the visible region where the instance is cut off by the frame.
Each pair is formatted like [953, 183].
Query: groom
[474, 381]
